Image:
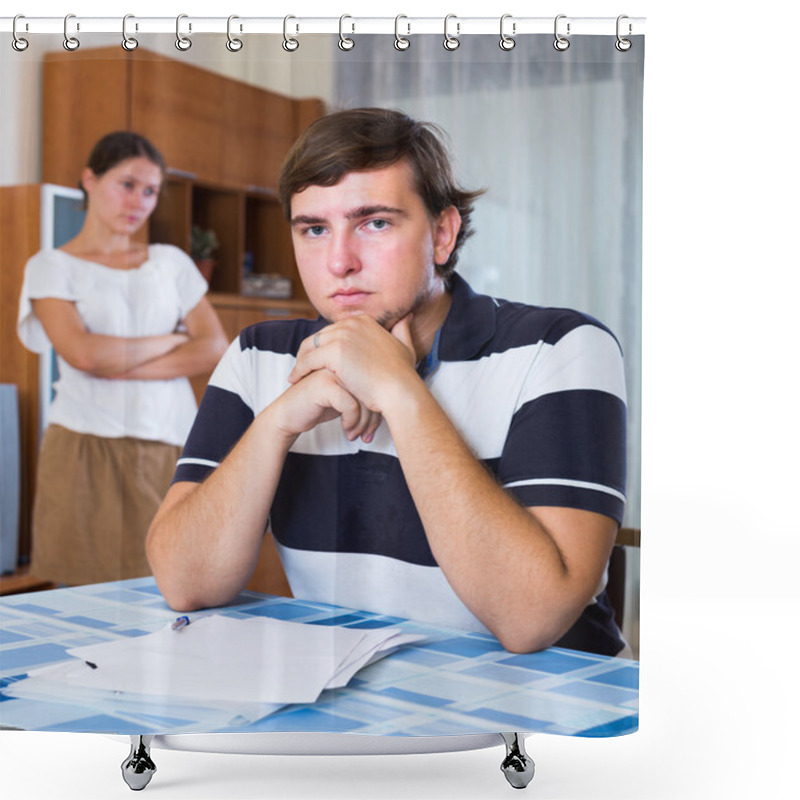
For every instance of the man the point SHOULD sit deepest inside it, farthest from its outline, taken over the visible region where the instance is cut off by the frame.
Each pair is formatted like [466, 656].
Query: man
[419, 450]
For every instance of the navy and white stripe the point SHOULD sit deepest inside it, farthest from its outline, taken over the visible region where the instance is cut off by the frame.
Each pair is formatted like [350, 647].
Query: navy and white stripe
[538, 394]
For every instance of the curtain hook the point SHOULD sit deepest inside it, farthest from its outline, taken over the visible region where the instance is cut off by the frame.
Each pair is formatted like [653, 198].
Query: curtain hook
[128, 42]
[400, 42]
[183, 43]
[507, 42]
[70, 42]
[289, 44]
[451, 42]
[233, 44]
[17, 42]
[344, 42]
[623, 45]
[561, 43]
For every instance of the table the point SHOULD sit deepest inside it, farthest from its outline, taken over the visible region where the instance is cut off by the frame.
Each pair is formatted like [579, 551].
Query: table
[454, 683]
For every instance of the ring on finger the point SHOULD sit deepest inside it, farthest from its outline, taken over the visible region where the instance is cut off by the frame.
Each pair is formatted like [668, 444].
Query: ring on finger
[316, 339]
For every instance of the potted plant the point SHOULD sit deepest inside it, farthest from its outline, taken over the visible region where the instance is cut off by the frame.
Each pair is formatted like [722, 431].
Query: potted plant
[203, 246]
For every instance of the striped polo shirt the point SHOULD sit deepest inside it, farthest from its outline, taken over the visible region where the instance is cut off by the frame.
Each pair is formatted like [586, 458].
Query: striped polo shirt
[537, 393]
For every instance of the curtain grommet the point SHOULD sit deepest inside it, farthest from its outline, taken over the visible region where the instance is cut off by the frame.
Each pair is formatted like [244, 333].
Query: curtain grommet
[289, 44]
[71, 43]
[622, 44]
[345, 43]
[233, 44]
[19, 43]
[129, 43]
[561, 43]
[182, 43]
[507, 42]
[401, 42]
[451, 42]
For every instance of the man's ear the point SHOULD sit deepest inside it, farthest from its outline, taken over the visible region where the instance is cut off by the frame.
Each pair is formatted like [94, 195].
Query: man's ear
[445, 233]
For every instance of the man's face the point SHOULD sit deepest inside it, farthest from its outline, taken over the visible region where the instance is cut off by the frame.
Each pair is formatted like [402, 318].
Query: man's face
[368, 245]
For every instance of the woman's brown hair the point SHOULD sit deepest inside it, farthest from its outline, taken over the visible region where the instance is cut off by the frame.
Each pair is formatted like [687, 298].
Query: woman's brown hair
[119, 146]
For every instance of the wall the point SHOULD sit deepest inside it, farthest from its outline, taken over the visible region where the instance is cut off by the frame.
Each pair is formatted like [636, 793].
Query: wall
[20, 122]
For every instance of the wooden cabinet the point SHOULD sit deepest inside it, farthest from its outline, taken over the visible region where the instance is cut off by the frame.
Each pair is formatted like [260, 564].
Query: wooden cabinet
[260, 127]
[224, 142]
[180, 108]
[239, 312]
[236, 313]
[19, 240]
[82, 101]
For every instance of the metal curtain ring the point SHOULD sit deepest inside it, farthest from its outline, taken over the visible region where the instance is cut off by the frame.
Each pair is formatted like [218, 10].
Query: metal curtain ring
[507, 42]
[400, 42]
[17, 42]
[623, 45]
[233, 44]
[128, 42]
[289, 44]
[561, 43]
[344, 42]
[183, 43]
[70, 42]
[451, 42]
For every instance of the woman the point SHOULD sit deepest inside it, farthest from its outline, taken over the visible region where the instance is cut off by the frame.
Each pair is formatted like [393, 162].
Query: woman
[129, 322]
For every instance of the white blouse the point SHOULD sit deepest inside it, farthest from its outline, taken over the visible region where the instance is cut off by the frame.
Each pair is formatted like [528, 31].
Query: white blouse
[150, 300]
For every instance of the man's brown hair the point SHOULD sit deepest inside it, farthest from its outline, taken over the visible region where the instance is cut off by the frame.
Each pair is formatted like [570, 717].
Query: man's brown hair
[372, 138]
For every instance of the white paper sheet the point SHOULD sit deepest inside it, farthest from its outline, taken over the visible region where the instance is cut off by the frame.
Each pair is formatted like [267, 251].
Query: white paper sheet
[247, 668]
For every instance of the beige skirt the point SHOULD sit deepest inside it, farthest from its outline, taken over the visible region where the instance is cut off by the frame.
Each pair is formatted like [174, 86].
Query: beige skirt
[95, 499]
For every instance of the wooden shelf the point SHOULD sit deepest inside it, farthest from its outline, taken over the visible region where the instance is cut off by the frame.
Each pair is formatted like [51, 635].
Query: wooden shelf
[21, 581]
[224, 141]
[278, 306]
[250, 227]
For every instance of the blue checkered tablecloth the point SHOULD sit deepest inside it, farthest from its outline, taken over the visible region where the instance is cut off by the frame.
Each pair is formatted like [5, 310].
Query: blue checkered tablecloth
[453, 683]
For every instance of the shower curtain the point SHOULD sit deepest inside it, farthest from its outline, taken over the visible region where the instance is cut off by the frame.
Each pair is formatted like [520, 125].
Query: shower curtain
[554, 135]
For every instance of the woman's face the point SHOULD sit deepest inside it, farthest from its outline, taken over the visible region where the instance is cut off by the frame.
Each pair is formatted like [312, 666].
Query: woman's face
[122, 198]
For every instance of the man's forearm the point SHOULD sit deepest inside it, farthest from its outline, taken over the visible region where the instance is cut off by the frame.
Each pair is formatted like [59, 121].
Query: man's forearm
[205, 540]
[499, 558]
[525, 573]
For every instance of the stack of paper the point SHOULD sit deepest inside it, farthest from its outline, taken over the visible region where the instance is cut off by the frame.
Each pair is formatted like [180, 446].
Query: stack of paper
[242, 668]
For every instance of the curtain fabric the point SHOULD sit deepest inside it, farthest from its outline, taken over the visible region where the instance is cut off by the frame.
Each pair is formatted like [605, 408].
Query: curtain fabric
[556, 138]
